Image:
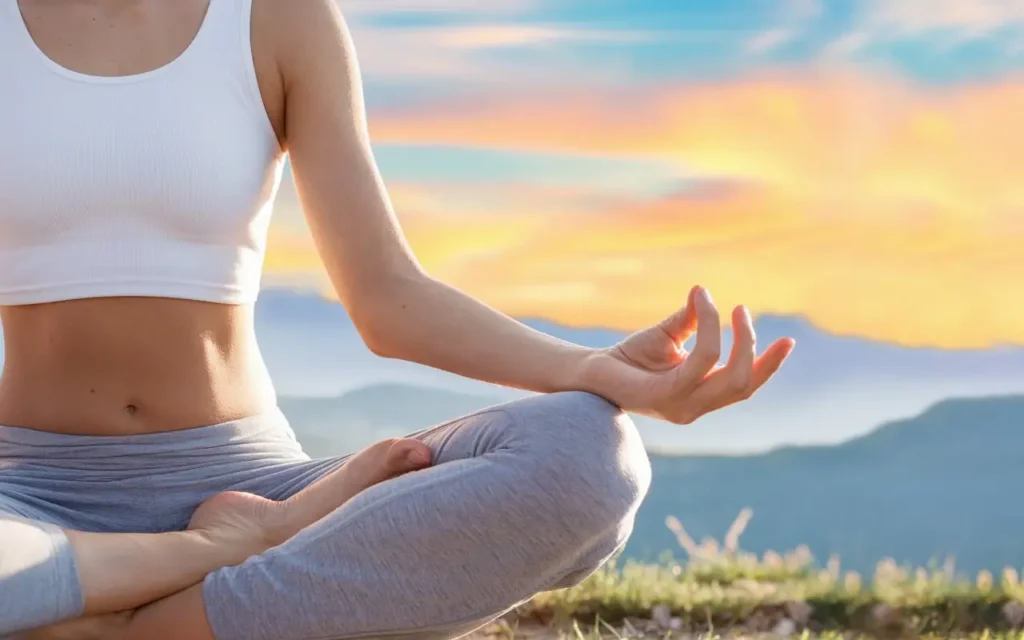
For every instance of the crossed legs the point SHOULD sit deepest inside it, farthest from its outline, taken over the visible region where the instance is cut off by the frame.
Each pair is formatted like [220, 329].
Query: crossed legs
[521, 498]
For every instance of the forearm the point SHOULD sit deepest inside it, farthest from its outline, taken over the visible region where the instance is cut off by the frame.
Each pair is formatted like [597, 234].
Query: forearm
[426, 321]
[123, 571]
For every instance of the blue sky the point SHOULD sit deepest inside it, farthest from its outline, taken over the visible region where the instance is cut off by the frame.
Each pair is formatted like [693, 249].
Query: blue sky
[588, 161]
[928, 40]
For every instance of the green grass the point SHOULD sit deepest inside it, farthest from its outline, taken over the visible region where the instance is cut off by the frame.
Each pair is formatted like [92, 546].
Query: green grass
[758, 597]
[601, 632]
[723, 592]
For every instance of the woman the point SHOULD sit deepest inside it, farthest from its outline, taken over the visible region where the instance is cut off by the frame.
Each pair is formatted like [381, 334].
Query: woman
[149, 487]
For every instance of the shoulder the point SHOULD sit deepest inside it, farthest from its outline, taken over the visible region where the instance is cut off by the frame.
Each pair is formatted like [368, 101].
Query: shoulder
[303, 35]
[303, 55]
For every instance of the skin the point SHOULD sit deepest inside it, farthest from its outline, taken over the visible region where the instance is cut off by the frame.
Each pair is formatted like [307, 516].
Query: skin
[143, 365]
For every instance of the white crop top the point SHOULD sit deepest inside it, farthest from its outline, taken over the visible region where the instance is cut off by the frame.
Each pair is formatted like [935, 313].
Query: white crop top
[155, 184]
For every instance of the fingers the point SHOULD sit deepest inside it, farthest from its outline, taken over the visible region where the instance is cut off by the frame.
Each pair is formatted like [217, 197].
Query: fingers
[770, 361]
[719, 390]
[680, 325]
[699, 383]
[739, 370]
[732, 382]
[707, 348]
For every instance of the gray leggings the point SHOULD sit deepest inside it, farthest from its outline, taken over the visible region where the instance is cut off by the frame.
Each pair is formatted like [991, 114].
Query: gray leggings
[524, 497]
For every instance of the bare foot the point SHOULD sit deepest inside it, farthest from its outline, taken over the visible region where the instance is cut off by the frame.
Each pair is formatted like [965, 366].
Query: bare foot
[244, 524]
[252, 524]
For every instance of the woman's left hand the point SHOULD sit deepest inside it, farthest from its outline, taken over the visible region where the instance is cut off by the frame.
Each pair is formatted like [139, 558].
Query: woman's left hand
[650, 373]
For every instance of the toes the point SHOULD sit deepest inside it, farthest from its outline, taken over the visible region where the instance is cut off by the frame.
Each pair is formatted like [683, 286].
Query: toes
[407, 454]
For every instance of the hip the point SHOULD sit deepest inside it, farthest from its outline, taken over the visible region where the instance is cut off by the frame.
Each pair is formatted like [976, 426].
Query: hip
[149, 482]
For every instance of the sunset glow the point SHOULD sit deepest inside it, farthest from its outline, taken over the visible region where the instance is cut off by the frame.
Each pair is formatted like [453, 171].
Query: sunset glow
[826, 173]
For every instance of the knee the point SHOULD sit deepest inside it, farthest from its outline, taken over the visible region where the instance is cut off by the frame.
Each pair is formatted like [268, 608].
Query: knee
[589, 457]
[38, 581]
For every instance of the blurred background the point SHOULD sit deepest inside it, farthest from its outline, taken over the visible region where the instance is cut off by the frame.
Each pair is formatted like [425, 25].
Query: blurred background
[850, 170]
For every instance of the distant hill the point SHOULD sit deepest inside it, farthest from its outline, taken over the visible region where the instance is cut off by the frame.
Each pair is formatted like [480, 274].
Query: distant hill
[832, 389]
[950, 481]
[350, 421]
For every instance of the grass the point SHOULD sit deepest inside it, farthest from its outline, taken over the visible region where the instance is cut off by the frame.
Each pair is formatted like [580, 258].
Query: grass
[719, 591]
[603, 633]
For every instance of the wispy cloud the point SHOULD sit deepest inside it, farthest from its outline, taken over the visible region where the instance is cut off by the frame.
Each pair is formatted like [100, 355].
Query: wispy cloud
[793, 19]
[489, 36]
[939, 22]
[491, 44]
[964, 18]
[835, 189]
[846, 45]
[365, 8]
[769, 40]
[873, 205]
[488, 54]
[802, 10]
[917, 278]
[961, 141]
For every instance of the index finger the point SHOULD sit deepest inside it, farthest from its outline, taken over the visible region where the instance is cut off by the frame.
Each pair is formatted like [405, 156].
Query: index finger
[680, 325]
[708, 346]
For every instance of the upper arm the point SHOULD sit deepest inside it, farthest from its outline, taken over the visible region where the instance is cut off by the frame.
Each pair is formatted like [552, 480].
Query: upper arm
[336, 177]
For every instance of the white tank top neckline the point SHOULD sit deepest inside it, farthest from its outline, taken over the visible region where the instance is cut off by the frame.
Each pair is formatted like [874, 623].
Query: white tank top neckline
[159, 183]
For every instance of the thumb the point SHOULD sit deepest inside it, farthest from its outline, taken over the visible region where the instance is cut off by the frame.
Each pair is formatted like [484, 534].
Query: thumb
[683, 323]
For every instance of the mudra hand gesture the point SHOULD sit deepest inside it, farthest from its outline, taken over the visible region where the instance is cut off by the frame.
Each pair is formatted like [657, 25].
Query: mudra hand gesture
[650, 373]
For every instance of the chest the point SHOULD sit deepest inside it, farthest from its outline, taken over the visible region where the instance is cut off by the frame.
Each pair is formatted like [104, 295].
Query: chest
[173, 142]
[129, 38]
[139, 37]
[129, 155]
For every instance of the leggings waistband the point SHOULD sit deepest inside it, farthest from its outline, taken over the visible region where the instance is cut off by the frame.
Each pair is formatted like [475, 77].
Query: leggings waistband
[253, 434]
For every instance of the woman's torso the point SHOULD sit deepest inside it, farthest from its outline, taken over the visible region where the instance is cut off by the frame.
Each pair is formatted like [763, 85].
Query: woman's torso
[116, 365]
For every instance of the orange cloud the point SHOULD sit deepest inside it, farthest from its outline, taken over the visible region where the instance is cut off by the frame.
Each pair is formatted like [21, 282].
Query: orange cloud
[827, 136]
[872, 207]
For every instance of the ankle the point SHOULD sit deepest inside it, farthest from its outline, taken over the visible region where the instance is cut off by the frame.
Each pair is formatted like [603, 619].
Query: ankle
[241, 524]
[281, 521]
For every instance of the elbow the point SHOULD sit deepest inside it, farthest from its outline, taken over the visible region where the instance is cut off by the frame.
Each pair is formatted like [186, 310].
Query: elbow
[373, 330]
[377, 342]
[379, 315]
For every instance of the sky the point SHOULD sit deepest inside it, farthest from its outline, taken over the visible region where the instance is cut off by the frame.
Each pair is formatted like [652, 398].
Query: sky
[858, 163]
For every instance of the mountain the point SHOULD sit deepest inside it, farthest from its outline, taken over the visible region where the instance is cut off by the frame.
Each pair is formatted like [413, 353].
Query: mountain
[833, 388]
[946, 482]
[949, 481]
[348, 422]
[312, 349]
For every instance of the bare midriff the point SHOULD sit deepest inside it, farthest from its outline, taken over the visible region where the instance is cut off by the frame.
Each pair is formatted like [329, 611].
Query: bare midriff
[125, 366]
